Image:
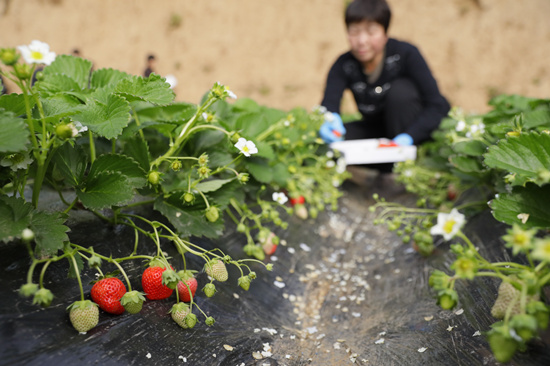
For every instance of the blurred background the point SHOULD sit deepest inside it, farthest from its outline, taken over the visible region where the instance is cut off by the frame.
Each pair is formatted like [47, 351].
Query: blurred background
[278, 52]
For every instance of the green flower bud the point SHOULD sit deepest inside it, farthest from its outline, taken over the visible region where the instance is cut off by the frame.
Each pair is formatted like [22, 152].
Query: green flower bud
[243, 177]
[204, 171]
[252, 275]
[9, 56]
[269, 266]
[22, 71]
[27, 235]
[63, 131]
[209, 321]
[39, 76]
[241, 228]
[235, 137]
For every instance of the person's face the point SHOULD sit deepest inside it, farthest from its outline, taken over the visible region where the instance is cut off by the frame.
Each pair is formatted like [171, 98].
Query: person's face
[367, 40]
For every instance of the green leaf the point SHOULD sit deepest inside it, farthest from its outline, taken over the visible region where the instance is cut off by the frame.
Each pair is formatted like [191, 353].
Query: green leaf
[53, 84]
[466, 164]
[76, 68]
[526, 154]
[14, 134]
[153, 89]
[106, 190]
[188, 221]
[470, 147]
[137, 149]
[59, 106]
[124, 165]
[251, 125]
[212, 185]
[265, 150]
[49, 231]
[15, 103]
[231, 190]
[531, 200]
[107, 78]
[246, 104]
[107, 120]
[14, 217]
[538, 117]
[281, 174]
[71, 162]
[260, 170]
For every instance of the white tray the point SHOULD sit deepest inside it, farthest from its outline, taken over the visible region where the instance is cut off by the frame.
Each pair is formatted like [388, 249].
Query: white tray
[373, 151]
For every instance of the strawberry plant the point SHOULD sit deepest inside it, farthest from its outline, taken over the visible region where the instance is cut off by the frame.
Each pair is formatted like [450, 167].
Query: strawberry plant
[499, 160]
[108, 142]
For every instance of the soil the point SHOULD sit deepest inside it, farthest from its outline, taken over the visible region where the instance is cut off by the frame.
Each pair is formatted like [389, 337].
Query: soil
[279, 52]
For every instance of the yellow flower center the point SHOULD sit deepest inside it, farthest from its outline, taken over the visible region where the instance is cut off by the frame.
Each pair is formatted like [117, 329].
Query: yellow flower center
[448, 226]
[36, 55]
[245, 148]
[520, 239]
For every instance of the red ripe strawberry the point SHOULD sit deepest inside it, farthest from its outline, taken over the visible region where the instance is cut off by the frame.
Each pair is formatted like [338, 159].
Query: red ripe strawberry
[297, 200]
[107, 294]
[151, 281]
[183, 290]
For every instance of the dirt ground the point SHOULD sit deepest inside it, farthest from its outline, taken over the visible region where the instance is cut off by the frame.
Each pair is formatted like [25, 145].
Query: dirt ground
[279, 52]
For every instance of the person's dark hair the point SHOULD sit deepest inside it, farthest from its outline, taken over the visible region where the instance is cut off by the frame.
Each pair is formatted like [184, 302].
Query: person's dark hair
[370, 10]
[150, 57]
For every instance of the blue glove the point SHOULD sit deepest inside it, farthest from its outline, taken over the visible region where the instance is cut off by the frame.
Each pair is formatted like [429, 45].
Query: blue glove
[333, 128]
[403, 139]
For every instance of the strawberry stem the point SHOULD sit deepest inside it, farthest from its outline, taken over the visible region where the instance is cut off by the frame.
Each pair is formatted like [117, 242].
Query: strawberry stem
[77, 272]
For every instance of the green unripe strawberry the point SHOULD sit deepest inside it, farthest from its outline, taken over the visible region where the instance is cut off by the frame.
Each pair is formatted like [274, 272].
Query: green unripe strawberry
[292, 169]
[447, 299]
[28, 289]
[191, 320]
[209, 289]
[179, 312]
[508, 294]
[502, 344]
[133, 301]
[241, 228]
[212, 214]
[188, 197]
[244, 282]
[153, 177]
[216, 269]
[541, 312]
[209, 321]
[84, 315]
[43, 297]
[525, 326]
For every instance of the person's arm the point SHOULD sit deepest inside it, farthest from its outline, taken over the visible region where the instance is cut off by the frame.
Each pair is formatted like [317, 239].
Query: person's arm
[334, 88]
[435, 106]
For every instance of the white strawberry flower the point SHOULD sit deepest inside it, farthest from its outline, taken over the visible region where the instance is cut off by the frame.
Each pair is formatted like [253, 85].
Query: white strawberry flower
[280, 197]
[37, 53]
[246, 147]
[449, 224]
